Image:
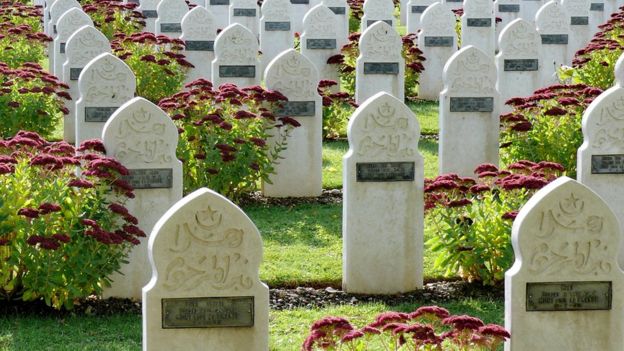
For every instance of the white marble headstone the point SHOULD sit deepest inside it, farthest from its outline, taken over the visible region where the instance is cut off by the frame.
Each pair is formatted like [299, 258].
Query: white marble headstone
[377, 10]
[246, 13]
[170, 14]
[236, 57]
[299, 174]
[205, 254]
[380, 66]
[529, 8]
[414, 11]
[438, 42]
[580, 31]
[341, 10]
[469, 113]
[56, 11]
[565, 242]
[83, 46]
[221, 10]
[319, 40]
[299, 9]
[276, 29]
[382, 224]
[597, 14]
[553, 26]
[68, 24]
[477, 25]
[600, 162]
[508, 11]
[199, 31]
[104, 84]
[148, 9]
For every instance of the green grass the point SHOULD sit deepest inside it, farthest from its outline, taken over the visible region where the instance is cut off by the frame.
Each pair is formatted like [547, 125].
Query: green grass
[427, 113]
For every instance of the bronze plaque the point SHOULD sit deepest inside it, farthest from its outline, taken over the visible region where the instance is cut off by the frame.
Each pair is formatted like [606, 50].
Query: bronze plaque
[607, 164]
[596, 6]
[74, 73]
[472, 104]
[276, 26]
[313, 44]
[419, 8]
[208, 312]
[150, 13]
[219, 2]
[170, 27]
[508, 8]
[479, 22]
[371, 22]
[244, 13]
[384, 171]
[432, 41]
[338, 10]
[381, 68]
[199, 45]
[568, 296]
[552, 39]
[520, 65]
[62, 48]
[98, 114]
[297, 109]
[227, 71]
[300, 2]
[579, 20]
[150, 178]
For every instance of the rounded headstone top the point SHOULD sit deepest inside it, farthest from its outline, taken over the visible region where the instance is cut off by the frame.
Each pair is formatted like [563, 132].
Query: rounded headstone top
[552, 18]
[84, 45]
[336, 3]
[199, 24]
[319, 21]
[237, 45]
[478, 8]
[70, 21]
[577, 7]
[381, 42]
[60, 7]
[106, 78]
[148, 5]
[438, 19]
[378, 9]
[470, 71]
[171, 11]
[276, 10]
[519, 39]
[294, 75]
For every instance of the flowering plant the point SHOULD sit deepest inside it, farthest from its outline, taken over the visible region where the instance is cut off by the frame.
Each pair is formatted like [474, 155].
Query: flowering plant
[156, 61]
[472, 218]
[546, 126]
[21, 39]
[224, 135]
[30, 99]
[337, 108]
[427, 328]
[61, 231]
[113, 16]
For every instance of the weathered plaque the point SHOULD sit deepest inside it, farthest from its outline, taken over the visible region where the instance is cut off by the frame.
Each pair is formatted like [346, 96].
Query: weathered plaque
[479, 22]
[454, 0]
[321, 43]
[150, 178]
[381, 68]
[371, 22]
[338, 10]
[384, 171]
[568, 296]
[439, 41]
[74, 73]
[170, 27]
[297, 109]
[226, 71]
[607, 164]
[508, 8]
[54, 28]
[208, 312]
[62, 48]
[276, 26]
[244, 13]
[596, 6]
[520, 65]
[561, 39]
[418, 9]
[99, 114]
[300, 2]
[134, 1]
[220, 2]
[200, 45]
[579, 20]
[472, 104]
[150, 13]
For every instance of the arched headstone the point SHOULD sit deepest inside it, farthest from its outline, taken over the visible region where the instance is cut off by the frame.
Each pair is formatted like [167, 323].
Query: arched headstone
[553, 26]
[580, 31]
[382, 240]
[529, 8]
[477, 25]
[199, 31]
[341, 9]
[68, 24]
[221, 10]
[299, 9]
[319, 41]
[246, 13]
[415, 9]
[58, 8]
[170, 14]
[276, 29]
[377, 10]
[144, 139]
[508, 11]
[236, 57]
[148, 9]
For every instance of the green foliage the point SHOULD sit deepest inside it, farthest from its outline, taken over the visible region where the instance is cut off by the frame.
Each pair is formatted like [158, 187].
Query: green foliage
[224, 135]
[60, 235]
[472, 218]
[157, 63]
[113, 16]
[30, 99]
[21, 39]
[337, 108]
[546, 126]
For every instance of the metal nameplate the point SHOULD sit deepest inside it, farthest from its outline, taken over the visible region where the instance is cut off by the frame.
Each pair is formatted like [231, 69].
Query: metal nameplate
[479, 22]
[219, 2]
[200, 45]
[338, 10]
[508, 8]
[208, 312]
[99, 114]
[74, 73]
[419, 9]
[520, 65]
[170, 27]
[150, 178]
[54, 29]
[454, 0]
[569, 296]
[596, 6]
[226, 71]
[559, 39]
[472, 104]
[370, 22]
[297, 109]
[384, 171]
[381, 68]
[314, 44]
[579, 21]
[276, 26]
[300, 2]
[62, 48]
[134, 1]
[244, 13]
[439, 41]
[607, 164]
[150, 13]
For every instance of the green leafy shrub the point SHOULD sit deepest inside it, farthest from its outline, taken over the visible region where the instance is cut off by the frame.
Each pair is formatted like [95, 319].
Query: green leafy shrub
[21, 39]
[427, 328]
[30, 99]
[546, 126]
[224, 134]
[113, 16]
[60, 233]
[156, 61]
[337, 108]
[472, 217]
